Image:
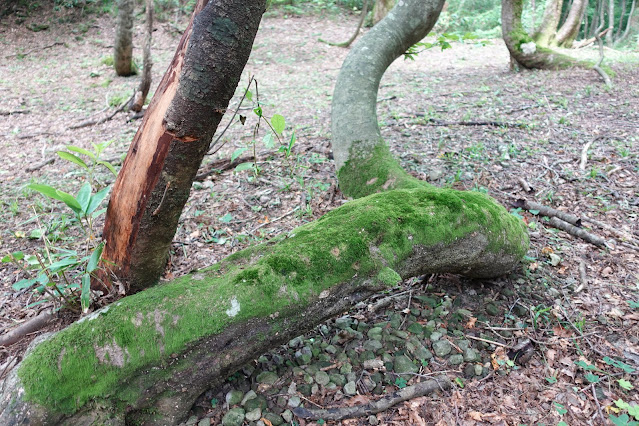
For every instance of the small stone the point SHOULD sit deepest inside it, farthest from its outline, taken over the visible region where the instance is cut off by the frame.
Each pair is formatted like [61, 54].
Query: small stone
[375, 333]
[254, 415]
[273, 418]
[435, 335]
[249, 395]
[296, 342]
[414, 328]
[338, 379]
[314, 388]
[470, 355]
[491, 309]
[321, 377]
[372, 364]
[478, 370]
[204, 422]
[442, 348]
[463, 344]
[456, 359]
[351, 377]
[267, 378]
[402, 364]
[258, 401]
[234, 417]
[191, 421]
[350, 388]
[294, 401]
[330, 349]
[401, 334]
[469, 370]
[346, 368]
[304, 389]
[234, 397]
[372, 345]
[287, 415]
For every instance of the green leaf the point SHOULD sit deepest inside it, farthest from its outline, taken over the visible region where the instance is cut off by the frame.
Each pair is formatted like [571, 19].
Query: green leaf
[226, 218]
[551, 379]
[81, 151]
[244, 166]
[621, 420]
[249, 95]
[561, 410]
[214, 402]
[63, 264]
[291, 142]
[622, 404]
[70, 201]
[108, 166]
[96, 200]
[278, 123]
[35, 234]
[400, 382]
[633, 304]
[618, 364]
[25, 283]
[15, 256]
[85, 296]
[94, 260]
[633, 410]
[625, 384]
[268, 140]
[84, 196]
[73, 158]
[459, 382]
[237, 153]
[562, 423]
[258, 111]
[56, 194]
[592, 378]
[585, 366]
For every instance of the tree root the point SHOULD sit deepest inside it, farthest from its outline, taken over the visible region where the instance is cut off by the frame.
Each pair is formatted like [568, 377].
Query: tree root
[374, 407]
[34, 324]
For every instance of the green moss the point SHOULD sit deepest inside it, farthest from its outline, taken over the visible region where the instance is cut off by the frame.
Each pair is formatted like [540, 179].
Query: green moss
[389, 277]
[94, 359]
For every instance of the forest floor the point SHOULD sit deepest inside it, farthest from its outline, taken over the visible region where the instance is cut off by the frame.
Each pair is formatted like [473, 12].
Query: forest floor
[457, 118]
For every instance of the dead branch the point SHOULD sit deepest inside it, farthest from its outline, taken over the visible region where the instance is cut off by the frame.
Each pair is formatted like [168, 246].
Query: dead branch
[18, 111]
[555, 222]
[359, 27]
[435, 122]
[30, 326]
[40, 165]
[103, 119]
[275, 220]
[584, 155]
[524, 185]
[224, 164]
[582, 276]
[597, 66]
[374, 407]
[22, 55]
[588, 42]
[139, 97]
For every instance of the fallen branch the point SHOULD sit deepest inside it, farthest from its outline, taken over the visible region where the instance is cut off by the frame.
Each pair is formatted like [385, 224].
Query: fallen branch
[18, 111]
[374, 407]
[435, 122]
[275, 220]
[555, 222]
[103, 119]
[584, 155]
[30, 326]
[22, 55]
[588, 42]
[582, 276]
[359, 27]
[40, 165]
[224, 164]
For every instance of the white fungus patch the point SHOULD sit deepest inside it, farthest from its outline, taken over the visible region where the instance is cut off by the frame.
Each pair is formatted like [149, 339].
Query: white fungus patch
[234, 309]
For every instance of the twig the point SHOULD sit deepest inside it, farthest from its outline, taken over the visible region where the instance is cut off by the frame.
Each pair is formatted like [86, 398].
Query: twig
[555, 222]
[597, 66]
[18, 111]
[22, 55]
[582, 276]
[584, 155]
[374, 407]
[88, 123]
[594, 395]
[30, 326]
[524, 185]
[157, 210]
[40, 165]
[435, 122]
[275, 220]
[487, 341]
[211, 151]
[348, 42]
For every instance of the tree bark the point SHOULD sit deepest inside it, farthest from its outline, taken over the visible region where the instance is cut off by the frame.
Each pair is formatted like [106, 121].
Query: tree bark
[522, 47]
[146, 358]
[545, 34]
[570, 29]
[363, 162]
[123, 50]
[381, 9]
[145, 83]
[611, 23]
[629, 23]
[156, 177]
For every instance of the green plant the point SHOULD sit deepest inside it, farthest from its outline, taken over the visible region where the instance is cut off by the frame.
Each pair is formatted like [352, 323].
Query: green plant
[540, 313]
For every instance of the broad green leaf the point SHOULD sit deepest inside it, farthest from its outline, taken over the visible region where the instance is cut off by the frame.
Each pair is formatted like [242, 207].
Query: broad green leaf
[56, 194]
[84, 196]
[96, 200]
[278, 123]
[592, 378]
[561, 410]
[291, 142]
[237, 153]
[585, 366]
[622, 404]
[618, 364]
[94, 260]
[258, 111]
[73, 158]
[244, 166]
[625, 384]
[85, 296]
[249, 95]
[81, 151]
[70, 201]
[633, 304]
[108, 166]
[633, 410]
[226, 218]
[35, 234]
[25, 283]
[63, 264]
[459, 382]
[15, 256]
[269, 140]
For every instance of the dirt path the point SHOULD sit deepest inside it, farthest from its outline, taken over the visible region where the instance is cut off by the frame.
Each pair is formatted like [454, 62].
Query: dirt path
[52, 79]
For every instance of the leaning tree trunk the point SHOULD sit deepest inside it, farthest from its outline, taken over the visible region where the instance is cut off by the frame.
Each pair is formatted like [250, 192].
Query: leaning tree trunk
[523, 49]
[545, 34]
[123, 50]
[155, 180]
[145, 83]
[146, 358]
[570, 29]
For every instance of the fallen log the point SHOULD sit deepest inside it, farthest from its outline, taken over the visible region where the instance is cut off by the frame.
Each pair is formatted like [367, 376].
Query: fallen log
[146, 358]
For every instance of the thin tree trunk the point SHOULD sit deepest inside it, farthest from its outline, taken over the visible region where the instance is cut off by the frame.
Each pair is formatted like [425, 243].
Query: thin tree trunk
[156, 177]
[629, 22]
[621, 20]
[564, 12]
[585, 30]
[145, 83]
[570, 29]
[548, 27]
[595, 19]
[123, 50]
[611, 22]
[381, 9]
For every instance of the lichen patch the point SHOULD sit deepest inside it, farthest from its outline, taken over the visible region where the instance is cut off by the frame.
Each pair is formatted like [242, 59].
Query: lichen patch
[234, 309]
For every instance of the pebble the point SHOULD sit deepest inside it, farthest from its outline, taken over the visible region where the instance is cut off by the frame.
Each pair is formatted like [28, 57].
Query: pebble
[287, 415]
[442, 348]
[267, 377]
[435, 336]
[350, 388]
[470, 355]
[294, 401]
[234, 397]
[234, 417]
[321, 377]
[253, 415]
[372, 345]
[402, 364]
[249, 395]
[456, 359]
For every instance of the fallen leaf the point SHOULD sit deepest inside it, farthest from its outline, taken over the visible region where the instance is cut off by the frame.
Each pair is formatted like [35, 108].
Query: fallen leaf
[267, 422]
[357, 400]
[547, 251]
[471, 323]
[475, 415]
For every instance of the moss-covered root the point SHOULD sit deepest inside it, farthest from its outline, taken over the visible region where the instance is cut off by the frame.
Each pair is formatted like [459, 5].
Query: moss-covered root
[146, 358]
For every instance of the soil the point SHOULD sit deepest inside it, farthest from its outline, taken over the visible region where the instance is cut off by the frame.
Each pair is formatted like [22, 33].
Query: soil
[457, 118]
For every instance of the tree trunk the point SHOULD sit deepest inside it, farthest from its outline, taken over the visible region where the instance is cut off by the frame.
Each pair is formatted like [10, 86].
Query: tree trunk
[123, 51]
[545, 34]
[611, 23]
[570, 29]
[523, 49]
[155, 180]
[629, 23]
[146, 358]
[363, 162]
[621, 20]
[145, 83]
[381, 9]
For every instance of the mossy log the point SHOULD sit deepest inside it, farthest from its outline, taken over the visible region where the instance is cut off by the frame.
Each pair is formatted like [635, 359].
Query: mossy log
[146, 358]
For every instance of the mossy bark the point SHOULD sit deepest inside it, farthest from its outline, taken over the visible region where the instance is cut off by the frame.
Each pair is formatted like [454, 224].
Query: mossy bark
[545, 33]
[149, 356]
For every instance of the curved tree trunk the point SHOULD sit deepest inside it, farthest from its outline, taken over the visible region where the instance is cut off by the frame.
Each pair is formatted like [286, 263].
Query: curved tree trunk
[146, 358]
[545, 34]
[123, 50]
[363, 162]
[166, 152]
[522, 47]
[570, 29]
